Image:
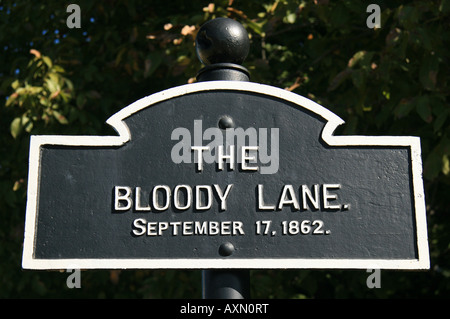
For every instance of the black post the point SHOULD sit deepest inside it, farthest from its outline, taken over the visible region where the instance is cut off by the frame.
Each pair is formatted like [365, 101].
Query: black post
[222, 45]
[225, 284]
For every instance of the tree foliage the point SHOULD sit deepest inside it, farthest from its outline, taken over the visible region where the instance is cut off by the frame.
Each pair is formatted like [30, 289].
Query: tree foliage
[391, 80]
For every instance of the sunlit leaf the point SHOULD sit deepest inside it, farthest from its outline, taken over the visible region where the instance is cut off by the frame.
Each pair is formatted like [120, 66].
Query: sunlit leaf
[60, 118]
[445, 165]
[47, 61]
[16, 127]
[356, 58]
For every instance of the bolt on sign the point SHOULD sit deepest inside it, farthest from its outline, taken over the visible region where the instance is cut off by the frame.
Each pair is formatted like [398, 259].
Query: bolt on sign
[225, 174]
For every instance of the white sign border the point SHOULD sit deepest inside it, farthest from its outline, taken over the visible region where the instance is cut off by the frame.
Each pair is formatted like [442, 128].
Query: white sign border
[117, 122]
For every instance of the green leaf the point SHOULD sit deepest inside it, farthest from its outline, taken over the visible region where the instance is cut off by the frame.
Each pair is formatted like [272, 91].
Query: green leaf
[403, 108]
[440, 120]
[356, 58]
[256, 27]
[445, 165]
[432, 165]
[290, 18]
[15, 84]
[408, 15]
[428, 71]
[54, 77]
[16, 127]
[153, 61]
[339, 78]
[362, 58]
[47, 61]
[444, 7]
[423, 108]
[11, 99]
[60, 118]
[393, 37]
[81, 101]
[52, 86]
[435, 161]
[358, 79]
[58, 69]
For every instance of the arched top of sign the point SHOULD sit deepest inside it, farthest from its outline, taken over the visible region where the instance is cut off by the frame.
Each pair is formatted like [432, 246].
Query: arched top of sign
[116, 120]
[332, 120]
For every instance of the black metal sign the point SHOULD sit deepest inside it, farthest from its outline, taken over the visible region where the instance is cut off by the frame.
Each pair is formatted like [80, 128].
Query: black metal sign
[225, 175]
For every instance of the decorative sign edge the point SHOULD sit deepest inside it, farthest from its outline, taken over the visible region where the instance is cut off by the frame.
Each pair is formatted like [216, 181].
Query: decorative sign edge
[117, 122]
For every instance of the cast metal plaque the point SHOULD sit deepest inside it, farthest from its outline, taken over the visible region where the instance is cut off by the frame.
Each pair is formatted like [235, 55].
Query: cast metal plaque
[225, 175]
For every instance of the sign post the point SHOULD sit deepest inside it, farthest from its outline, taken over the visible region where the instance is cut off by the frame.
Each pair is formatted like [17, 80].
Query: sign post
[222, 45]
[225, 175]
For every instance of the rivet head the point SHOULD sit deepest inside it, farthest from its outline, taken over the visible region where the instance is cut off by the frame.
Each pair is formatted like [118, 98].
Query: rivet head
[226, 249]
[226, 122]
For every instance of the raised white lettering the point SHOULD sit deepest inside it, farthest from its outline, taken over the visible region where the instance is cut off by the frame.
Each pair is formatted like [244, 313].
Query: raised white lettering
[222, 196]
[292, 200]
[120, 197]
[261, 204]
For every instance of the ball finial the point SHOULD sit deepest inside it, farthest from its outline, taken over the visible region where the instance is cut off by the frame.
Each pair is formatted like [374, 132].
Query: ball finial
[222, 40]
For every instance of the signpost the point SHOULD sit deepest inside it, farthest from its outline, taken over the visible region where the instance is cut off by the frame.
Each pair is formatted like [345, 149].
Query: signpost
[225, 175]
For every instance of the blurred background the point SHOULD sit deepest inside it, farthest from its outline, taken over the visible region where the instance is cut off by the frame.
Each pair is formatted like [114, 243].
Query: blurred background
[66, 71]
